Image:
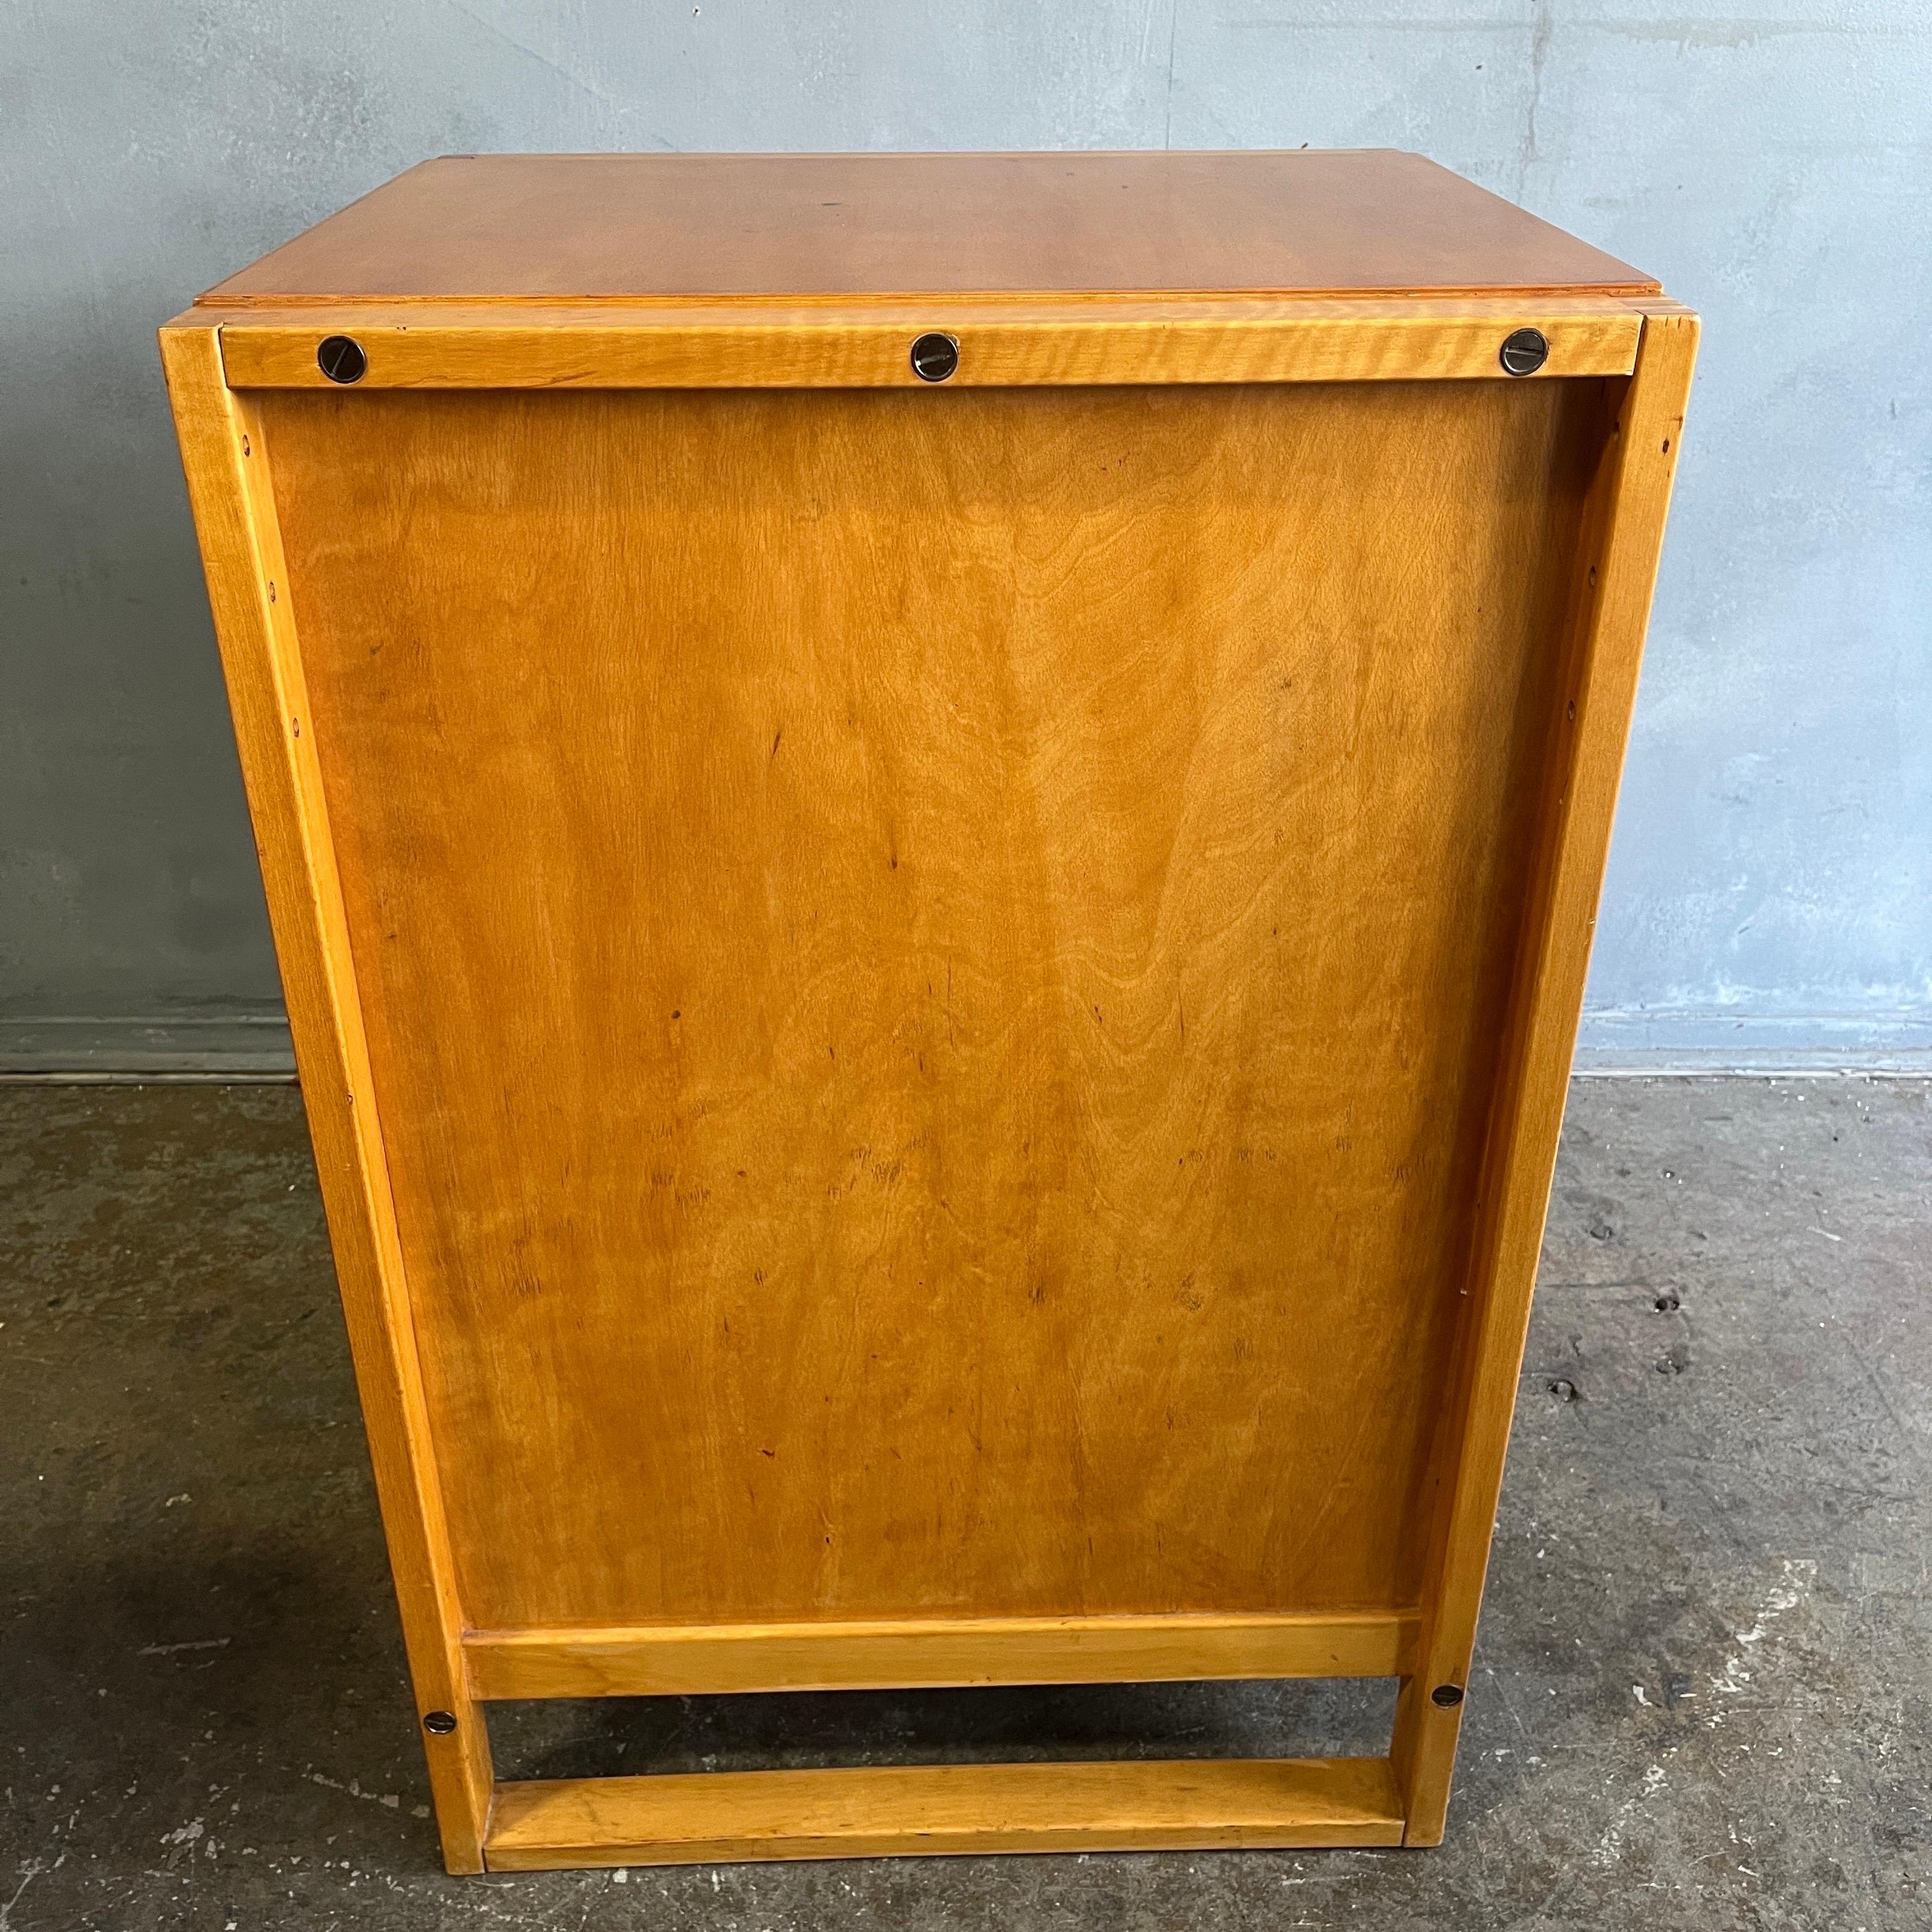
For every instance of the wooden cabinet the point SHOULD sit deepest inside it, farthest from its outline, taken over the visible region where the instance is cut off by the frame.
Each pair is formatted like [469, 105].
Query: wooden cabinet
[933, 823]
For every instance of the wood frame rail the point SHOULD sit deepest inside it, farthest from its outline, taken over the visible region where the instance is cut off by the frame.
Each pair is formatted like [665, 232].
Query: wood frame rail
[1001, 344]
[215, 359]
[954, 1809]
[706, 1660]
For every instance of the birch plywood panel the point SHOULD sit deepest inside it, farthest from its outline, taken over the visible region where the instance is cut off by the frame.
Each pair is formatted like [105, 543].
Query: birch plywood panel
[933, 965]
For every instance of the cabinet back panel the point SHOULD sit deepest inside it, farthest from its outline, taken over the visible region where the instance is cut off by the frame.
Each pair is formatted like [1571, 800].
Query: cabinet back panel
[933, 966]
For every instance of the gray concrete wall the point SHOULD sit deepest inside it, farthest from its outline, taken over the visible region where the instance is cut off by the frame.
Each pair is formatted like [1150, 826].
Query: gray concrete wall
[1771, 888]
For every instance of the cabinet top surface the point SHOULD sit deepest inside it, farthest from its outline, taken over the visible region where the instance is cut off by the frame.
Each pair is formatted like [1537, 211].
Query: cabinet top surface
[552, 228]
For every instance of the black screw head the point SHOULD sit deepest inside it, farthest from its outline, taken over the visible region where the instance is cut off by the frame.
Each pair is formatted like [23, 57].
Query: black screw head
[1447, 1695]
[1524, 352]
[440, 1722]
[935, 357]
[341, 358]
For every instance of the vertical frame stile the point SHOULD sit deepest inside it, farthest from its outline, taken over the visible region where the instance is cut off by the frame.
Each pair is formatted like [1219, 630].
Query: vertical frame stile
[1618, 548]
[227, 465]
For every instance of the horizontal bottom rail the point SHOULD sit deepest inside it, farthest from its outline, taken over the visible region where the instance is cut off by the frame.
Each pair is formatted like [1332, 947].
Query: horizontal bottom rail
[644, 1660]
[931, 1810]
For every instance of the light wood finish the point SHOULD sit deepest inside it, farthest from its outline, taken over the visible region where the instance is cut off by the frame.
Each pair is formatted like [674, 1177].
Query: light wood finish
[906, 1063]
[1003, 346]
[934, 1018]
[945, 1810]
[548, 227]
[705, 1660]
[1611, 596]
[248, 586]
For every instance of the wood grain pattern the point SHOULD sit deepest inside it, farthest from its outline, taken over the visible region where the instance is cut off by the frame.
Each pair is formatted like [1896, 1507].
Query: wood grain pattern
[1611, 596]
[1005, 344]
[934, 1020]
[708, 1659]
[247, 583]
[549, 227]
[945, 1810]
[933, 970]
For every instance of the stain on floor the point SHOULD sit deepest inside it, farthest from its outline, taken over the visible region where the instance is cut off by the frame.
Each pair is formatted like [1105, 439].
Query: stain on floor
[1701, 1697]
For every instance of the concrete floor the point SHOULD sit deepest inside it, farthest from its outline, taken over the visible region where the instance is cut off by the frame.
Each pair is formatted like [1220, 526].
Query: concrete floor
[1703, 1696]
